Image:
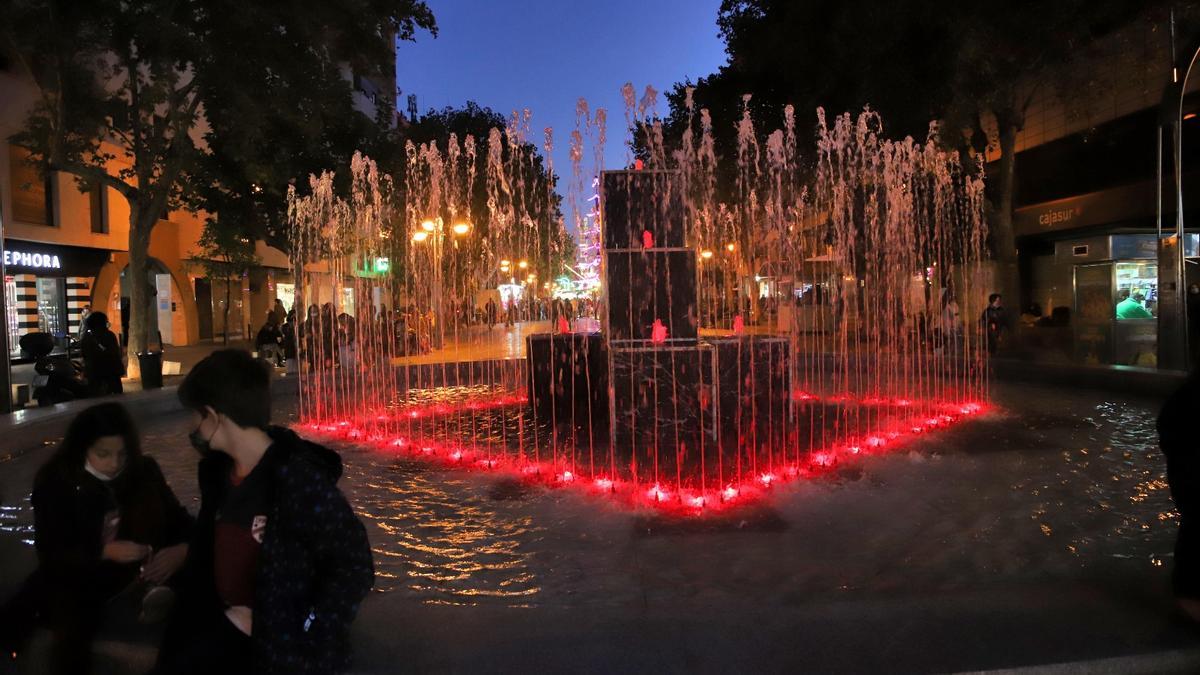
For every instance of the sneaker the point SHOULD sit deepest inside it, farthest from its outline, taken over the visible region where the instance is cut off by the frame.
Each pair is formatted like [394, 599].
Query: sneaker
[156, 604]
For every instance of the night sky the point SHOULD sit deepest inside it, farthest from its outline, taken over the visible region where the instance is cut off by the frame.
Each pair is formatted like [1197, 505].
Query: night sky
[545, 54]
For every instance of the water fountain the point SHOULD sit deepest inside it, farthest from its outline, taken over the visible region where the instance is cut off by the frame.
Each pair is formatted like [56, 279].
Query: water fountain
[808, 317]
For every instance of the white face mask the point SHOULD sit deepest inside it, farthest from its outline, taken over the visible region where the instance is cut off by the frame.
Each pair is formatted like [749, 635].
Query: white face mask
[87, 466]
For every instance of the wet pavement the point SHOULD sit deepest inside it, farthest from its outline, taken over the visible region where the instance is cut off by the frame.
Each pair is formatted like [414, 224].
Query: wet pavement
[1041, 532]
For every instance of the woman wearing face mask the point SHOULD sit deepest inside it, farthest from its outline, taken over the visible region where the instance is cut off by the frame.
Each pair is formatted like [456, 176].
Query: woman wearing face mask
[105, 522]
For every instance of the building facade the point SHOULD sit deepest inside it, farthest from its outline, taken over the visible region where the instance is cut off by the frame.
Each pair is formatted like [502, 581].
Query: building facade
[1086, 210]
[66, 250]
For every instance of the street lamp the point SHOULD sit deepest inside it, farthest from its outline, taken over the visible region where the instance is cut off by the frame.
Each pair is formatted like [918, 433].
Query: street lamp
[428, 226]
[461, 228]
[523, 264]
[706, 254]
[420, 236]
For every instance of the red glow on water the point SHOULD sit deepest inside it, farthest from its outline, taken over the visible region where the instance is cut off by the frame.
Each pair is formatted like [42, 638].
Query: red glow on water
[686, 496]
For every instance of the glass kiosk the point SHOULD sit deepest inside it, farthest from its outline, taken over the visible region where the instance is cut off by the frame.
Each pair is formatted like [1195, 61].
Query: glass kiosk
[1116, 297]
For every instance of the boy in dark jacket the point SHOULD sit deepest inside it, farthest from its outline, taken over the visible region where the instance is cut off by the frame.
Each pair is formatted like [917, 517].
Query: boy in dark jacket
[279, 563]
[1177, 438]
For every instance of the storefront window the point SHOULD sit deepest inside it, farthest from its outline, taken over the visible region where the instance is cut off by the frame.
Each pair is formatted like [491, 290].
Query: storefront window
[10, 316]
[287, 294]
[1137, 290]
[52, 307]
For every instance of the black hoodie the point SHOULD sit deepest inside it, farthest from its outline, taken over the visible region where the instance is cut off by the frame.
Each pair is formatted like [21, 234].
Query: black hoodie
[314, 566]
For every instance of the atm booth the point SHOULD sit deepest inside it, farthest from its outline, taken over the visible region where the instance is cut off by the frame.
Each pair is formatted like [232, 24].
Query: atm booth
[1115, 286]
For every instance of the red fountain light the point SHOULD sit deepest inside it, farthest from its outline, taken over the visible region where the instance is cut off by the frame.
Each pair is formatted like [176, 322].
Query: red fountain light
[681, 500]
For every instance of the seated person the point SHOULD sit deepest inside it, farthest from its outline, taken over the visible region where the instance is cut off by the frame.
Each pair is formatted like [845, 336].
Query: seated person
[105, 522]
[1129, 307]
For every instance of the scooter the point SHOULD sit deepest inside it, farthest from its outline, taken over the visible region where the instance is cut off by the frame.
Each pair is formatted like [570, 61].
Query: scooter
[59, 378]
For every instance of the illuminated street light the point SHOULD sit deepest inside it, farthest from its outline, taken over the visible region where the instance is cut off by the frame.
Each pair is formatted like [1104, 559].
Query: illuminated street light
[428, 226]
[706, 254]
[504, 263]
[420, 236]
[731, 247]
[523, 264]
[461, 228]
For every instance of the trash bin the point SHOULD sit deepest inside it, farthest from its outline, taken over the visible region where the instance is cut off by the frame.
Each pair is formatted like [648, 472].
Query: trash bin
[151, 364]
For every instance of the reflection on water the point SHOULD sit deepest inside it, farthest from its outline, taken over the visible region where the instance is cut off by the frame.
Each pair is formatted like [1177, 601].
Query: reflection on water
[1108, 491]
[440, 541]
[1016, 495]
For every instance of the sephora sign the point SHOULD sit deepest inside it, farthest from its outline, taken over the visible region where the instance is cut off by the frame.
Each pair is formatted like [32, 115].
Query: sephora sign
[37, 261]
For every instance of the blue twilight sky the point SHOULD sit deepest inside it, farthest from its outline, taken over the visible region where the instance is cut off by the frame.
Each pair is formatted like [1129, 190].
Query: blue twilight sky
[546, 54]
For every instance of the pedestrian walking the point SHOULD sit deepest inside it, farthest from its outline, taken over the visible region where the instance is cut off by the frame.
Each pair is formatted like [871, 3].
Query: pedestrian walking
[102, 364]
[490, 311]
[279, 312]
[951, 324]
[994, 320]
[105, 524]
[1177, 438]
[279, 562]
[347, 337]
[290, 343]
[83, 315]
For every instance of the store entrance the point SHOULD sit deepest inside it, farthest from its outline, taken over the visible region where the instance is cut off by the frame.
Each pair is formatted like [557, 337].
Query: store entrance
[164, 319]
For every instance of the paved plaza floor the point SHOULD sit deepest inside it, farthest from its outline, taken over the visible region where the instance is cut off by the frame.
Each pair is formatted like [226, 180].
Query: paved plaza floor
[1039, 534]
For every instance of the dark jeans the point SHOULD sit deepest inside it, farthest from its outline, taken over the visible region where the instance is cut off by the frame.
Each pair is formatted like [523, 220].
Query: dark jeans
[206, 644]
[71, 609]
[103, 386]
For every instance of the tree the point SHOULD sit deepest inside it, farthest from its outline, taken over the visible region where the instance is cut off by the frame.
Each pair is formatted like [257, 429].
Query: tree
[914, 62]
[129, 91]
[1007, 54]
[543, 240]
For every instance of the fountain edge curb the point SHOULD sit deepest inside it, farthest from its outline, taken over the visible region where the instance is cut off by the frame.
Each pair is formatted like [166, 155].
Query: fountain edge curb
[34, 428]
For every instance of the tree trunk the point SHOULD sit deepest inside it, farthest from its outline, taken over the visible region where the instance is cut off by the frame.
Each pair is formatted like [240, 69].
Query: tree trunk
[1003, 237]
[139, 252]
[225, 333]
